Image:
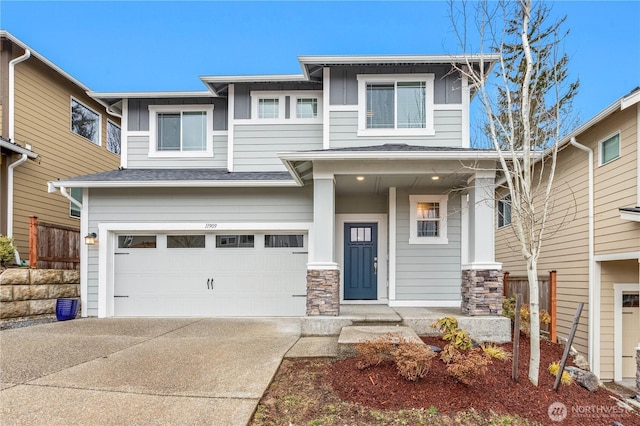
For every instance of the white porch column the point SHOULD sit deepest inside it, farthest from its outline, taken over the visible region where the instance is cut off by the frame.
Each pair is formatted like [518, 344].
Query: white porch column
[481, 275]
[323, 275]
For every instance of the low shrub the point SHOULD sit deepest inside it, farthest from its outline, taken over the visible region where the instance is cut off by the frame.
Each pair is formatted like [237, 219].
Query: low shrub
[459, 338]
[413, 360]
[496, 351]
[566, 378]
[469, 366]
[509, 311]
[375, 351]
[7, 249]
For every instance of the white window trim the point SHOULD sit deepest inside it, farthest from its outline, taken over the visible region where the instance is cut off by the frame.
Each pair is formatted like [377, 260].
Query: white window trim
[600, 149]
[153, 131]
[363, 79]
[413, 219]
[90, 109]
[282, 113]
[107, 136]
[502, 200]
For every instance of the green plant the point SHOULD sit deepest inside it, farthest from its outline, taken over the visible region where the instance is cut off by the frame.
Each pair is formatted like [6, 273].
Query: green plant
[509, 311]
[7, 249]
[496, 351]
[448, 326]
[375, 351]
[413, 360]
[566, 378]
[432, 410]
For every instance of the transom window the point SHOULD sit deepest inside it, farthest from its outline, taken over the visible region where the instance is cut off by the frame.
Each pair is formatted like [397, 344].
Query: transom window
[392, 104]
[504, 211]
[85, 121]
[181, 131]
[610, 149]
[428, 219]
[303, 106]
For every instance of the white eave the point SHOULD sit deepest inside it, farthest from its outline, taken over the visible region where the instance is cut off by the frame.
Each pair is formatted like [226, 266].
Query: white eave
[146, 95]
[386, 155]
[17, 149]
[632, 216]
[174, 184]
[397, 59]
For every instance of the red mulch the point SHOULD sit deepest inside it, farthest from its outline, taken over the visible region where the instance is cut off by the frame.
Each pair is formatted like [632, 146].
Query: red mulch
[382, 388]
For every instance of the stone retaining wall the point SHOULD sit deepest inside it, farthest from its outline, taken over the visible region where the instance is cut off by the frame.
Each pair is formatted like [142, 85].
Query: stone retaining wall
[33, 292]
[482, 292]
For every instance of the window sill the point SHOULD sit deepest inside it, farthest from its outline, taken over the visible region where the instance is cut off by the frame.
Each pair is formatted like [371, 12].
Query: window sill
[181, 154]
[396, 132]
[428, 240]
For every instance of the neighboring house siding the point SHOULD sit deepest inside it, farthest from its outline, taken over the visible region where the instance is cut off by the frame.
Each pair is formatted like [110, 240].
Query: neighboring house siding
[42, 119]
[427, 272]
[256, 145]
[138, 149]
[616, 184]
[151, 205]
[344, 84]
[139, 111]
[344, 131]
[617, 272]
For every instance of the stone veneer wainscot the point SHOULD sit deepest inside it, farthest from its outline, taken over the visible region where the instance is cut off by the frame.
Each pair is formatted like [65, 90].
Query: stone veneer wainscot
[323, 292]
[482, 292]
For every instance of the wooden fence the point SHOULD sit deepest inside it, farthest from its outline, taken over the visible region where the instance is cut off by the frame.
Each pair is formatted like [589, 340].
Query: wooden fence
[53, 246]
[546, 296]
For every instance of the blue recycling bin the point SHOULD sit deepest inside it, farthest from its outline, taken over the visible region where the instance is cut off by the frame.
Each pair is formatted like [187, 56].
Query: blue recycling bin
[66, 309]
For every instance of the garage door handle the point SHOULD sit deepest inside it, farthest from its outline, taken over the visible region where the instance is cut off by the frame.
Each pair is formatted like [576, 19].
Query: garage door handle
[298, 295]
[210, 282]
[119, 254]
[120, 296]
[299, 252]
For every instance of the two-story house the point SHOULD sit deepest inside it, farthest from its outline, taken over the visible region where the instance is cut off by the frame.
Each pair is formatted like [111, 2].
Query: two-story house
[49, 128]
[593, 237]
[288, 195]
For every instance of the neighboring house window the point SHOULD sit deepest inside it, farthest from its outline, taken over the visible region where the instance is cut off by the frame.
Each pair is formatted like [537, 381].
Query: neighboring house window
[427, 219]
[610, 149]
[302, 106]
[504, 211]
[113, 137]
[395, 104]
[76, 194]
[85, 121]
[181, 131]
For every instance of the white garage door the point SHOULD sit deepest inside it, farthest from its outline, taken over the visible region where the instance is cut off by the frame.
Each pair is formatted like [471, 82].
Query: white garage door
[258, 274]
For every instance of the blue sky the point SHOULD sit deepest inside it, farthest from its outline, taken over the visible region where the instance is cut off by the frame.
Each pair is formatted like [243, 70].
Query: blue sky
[141, 46]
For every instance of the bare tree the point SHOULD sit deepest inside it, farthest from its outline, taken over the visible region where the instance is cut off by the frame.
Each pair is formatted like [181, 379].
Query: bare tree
[525, 106]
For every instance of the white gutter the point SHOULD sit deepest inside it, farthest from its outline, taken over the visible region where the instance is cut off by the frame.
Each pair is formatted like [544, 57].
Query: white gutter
[174, 184]
[396, 155]
[594, 307]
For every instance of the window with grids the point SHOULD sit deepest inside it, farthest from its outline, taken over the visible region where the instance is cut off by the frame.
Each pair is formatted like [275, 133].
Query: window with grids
[307, 108]
[268, 108]
[428, 219]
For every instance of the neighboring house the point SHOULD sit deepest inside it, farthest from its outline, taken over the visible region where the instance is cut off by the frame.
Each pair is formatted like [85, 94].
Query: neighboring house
[288, 195]
[596, 263]
[49, 128]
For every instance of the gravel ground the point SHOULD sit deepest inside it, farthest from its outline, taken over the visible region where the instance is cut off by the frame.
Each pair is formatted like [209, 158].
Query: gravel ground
[26, 322]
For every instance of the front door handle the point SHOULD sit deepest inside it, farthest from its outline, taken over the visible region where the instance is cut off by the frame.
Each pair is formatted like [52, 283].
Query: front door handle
[375, 265]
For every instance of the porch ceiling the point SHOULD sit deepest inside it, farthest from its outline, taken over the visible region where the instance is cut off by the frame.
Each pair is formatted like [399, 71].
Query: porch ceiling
[379, 184]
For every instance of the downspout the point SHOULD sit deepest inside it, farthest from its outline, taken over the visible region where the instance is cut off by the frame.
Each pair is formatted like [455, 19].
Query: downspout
[592, 281]
[23, 158]
[64, 192]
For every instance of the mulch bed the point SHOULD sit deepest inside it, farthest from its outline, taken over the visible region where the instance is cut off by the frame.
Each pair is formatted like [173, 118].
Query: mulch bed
[381, 387]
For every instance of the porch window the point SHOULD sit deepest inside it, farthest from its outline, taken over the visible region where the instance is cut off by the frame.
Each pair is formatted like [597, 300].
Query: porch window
[428, 219]
[181, 130]
[504, 211]
[395, 104]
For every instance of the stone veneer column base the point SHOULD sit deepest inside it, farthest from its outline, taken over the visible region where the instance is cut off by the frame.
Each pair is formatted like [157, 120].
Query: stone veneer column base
[482, 292]
[323, 292]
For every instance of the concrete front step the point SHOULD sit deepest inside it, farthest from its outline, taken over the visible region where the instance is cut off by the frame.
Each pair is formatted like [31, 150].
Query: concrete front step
[350, 336]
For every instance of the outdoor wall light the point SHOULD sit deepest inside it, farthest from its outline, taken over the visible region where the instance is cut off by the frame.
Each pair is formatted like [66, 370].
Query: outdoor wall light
[91, 239]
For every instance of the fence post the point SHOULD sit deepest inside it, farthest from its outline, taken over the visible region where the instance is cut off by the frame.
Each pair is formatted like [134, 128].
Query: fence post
[33, 241]
[505, 284]
[552, 306]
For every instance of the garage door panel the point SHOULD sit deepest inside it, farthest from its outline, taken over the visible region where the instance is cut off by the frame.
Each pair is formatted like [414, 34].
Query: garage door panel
[210, 282]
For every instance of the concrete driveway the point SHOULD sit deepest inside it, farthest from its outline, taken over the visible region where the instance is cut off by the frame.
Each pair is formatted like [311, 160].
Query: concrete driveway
[140, 371]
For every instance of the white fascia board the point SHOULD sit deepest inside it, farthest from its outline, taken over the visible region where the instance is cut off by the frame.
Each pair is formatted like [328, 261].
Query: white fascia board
[175, 184]
[18, 149]
[145, 95]
[635, 217]
[13, 39]
[395, 59]
[386, 155]
[258, 78]
[630, 100]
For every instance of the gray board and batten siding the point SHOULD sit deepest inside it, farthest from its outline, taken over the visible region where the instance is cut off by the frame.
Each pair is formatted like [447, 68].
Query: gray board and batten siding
[344, 83]
[191, 205]
[428, 271]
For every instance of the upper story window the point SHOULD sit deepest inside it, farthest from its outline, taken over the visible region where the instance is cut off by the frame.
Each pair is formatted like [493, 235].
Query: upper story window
[181, 131]
[427, 219]
[504, 211]
[610, 149]
[85, 121]
[395, 104]
[286, 107]
[113, 137]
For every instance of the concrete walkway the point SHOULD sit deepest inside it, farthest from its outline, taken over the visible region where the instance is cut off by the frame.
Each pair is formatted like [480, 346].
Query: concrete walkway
[140, 371]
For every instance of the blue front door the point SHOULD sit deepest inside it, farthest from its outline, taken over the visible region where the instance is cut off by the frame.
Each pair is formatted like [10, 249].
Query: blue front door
[361, 261]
